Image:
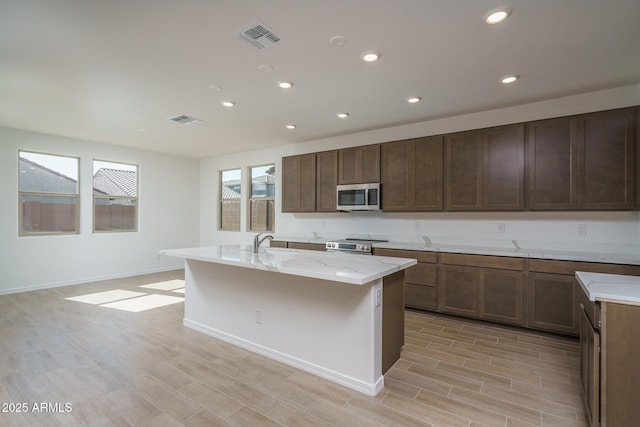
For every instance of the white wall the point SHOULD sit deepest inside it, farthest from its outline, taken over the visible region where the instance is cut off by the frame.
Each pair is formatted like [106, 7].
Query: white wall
[614, 228]
[168, 217]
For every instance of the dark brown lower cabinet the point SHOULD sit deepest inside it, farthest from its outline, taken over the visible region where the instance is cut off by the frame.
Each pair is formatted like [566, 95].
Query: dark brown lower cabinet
[609, 368]
[590, 368]
[459, 286]
[420, 280]
[552, 301]
[491, 294]
[502, 296]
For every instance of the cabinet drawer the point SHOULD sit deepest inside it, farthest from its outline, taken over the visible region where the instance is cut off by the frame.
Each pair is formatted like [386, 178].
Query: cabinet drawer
[570, 267]
[422, 274]
[421, 256]
[307, 246]
[419, 296]
[277, 244]
[486, 261]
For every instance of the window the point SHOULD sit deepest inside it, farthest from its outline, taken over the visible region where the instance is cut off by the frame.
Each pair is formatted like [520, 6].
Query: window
[262, 201]
[115, 197]
[48, 194]
[230, 195]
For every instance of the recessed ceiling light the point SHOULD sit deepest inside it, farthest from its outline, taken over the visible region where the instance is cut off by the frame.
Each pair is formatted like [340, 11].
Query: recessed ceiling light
[343, 115]
[227, 104]
[285, 85]
[509, 78]
[496, 16]
[371, 56]
[291, 127]
[414, 99]
[143, 130]
[215, 88]
[265, 68]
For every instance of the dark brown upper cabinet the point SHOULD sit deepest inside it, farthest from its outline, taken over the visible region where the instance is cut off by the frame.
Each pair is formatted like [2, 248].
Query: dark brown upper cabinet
[299, 183]
[553, 172]
[485, 169]
[606, 151]
[358, 165]
[412, 174]
[582, 162]
[326, 181]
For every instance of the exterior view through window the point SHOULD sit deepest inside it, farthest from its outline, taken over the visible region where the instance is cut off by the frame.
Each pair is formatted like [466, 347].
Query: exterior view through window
[115, 196]
[262, 201]
[48, 194]
[230, 196]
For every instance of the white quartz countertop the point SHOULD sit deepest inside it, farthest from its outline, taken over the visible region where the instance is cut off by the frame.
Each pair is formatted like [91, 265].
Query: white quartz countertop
[610, 287]
[338, 267]
[564, 251]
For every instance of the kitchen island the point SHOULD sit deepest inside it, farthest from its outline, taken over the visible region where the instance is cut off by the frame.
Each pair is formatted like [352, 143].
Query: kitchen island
[336, 315]
[609, 348]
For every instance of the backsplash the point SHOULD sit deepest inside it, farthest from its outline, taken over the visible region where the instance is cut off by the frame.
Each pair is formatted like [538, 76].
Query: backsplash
[481, 229]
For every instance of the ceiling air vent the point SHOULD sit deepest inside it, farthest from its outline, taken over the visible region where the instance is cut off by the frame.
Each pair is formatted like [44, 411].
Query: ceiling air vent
[186, 120]
[259, 35]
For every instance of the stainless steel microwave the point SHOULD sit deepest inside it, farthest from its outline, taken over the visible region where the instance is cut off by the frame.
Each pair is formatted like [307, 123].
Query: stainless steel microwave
[358, 197]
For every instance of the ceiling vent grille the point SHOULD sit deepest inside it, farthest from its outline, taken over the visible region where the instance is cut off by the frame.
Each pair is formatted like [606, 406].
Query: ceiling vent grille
[186, 120]
[259, 35]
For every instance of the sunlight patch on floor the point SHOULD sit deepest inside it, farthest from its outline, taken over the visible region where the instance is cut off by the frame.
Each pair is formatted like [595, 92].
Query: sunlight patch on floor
[106, 296]
[169, 285]
[132, 301]
[143, 303]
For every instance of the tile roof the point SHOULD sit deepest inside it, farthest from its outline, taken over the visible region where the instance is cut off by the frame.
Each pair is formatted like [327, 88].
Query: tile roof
[115, 182]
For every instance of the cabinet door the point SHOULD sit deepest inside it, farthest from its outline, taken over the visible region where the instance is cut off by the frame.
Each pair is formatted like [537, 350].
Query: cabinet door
[458, 290]
[553, 303]
[326, 180]
[552, 168]
[502, 296]
[607, 154]
[427, 164]
[397, 176]
[463, 165]
[299, 183]
[503, 167]
[590, 369]
[359, 165]
[412, 174]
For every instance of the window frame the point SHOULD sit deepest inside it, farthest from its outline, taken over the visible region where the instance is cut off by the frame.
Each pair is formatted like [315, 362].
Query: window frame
[221, 200]
[76, 196]
[136, 198]
[250, 198]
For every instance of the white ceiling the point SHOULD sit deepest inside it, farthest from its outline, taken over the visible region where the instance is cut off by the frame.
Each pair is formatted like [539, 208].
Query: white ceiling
[104, 70]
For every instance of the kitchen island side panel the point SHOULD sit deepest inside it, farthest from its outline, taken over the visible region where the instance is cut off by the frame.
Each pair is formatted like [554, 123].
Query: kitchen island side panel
[331, 329]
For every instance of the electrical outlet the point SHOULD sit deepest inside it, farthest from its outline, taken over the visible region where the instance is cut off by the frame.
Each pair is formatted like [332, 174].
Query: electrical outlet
[259, 317]
[417, 225]
[501, 227]
[582, 229]
[378, 297]
[323, 223]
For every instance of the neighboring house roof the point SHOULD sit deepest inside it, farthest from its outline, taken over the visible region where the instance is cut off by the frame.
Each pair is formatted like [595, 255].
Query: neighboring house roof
[229, 193]
[115, 182]
[37, 178]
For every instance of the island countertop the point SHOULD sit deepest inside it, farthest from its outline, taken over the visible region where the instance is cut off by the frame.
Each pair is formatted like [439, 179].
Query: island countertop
[610, 287]
[338, 267]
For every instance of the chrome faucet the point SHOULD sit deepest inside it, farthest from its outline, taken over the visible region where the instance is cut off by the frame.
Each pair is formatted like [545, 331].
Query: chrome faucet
[257, 241]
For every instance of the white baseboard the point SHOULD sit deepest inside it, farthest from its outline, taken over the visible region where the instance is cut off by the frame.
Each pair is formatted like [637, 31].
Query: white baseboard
[85, 280]
[370, 389]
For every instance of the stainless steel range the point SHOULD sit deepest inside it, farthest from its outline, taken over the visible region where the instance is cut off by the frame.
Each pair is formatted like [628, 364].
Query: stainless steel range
[358, 246]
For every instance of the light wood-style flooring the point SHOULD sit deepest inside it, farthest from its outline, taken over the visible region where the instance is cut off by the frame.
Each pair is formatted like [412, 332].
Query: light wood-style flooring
[142, 367]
